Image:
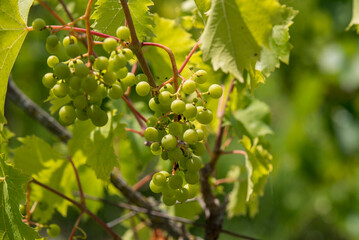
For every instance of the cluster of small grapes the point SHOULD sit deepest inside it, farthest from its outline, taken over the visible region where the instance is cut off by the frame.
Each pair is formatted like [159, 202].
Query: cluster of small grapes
[89, 84]
[172, 134]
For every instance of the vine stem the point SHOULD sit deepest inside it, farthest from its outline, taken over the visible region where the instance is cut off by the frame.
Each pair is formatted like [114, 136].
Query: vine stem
[88, 30]
[66, 10]
[134, 131]
[82, 196]
[133, 109]
[235, 152]
[52, 12]
[80, 206]
[173, 60]
[142, 182]
[189, 57]
[136, 45]
[74, 229]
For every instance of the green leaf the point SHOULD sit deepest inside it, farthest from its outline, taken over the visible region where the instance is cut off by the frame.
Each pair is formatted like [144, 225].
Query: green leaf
[355, 16]
[34, 155]
[56, 102]
[80, 136]
[279, 46]
[253, 119]
[24, 8]
[203, 6]
[109, 15]
[170, 35]
[101, 155]
[236, 31]
[12, 34]
[12, 193]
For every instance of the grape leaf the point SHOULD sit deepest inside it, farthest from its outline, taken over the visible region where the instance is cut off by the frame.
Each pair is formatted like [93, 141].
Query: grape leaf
[355, 16]
[203, 6]
[80, 136]
[236, 31]
[251, 175]
[12, 193]
[12, 34]
[109, 15]
[33, 155]
[170, 35]
[24, 8]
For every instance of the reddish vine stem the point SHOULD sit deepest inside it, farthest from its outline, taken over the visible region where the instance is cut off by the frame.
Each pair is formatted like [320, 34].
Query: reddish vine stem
[52, 12]
[235, 152]
[136, 45]
[74, 229]
[189, 57]
[82, 196]
[88, 30]
[66, 10]
[134, 131]
[133, 109]
[80, 206]
[172, 57]
[142, 182]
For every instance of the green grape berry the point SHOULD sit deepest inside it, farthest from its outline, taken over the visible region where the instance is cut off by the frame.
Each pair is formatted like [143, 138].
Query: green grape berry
[101, 63]
[89, 84]
[181, 194]
[189, 86]
[123, 33]
[178, 106]
[192, 190]
[109, 44]
[168, 87]
[151, 134]
[73, 50]
[116, 91]
[67, 114]
[141, 78]
[109, 78]
[190, 136]
[61, 90]
[80, 102]
[75, 83]
[81, 70]
[127, 53]
[62, 71]
[175, 181]
[156, 148]
[191, 177]
[190, 111]
[69, 40]
[199, 149]
[151, 121]
[38, 24]
[99, 118]
[193, 164]
[52, 41]
[169, 142]
[143, 88]
[159, 179]
[175, 128]
[54, 230]
[122, 72]
[81, 114]
[168, 200]
[175, 155]
[155, 188]
[200, 134]
[204, 116]
[52, 61]
[215, 91]
[201, 76]
[129, 80]
[48, 80]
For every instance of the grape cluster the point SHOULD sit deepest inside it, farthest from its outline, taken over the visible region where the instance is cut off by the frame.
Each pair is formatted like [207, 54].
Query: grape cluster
[89, 86]
[172, 133]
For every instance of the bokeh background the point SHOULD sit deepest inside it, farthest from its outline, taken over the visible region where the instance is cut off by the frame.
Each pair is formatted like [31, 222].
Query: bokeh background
[313, 191]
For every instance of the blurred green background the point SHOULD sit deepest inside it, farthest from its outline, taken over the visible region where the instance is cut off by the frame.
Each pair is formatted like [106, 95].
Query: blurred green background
[313, 191]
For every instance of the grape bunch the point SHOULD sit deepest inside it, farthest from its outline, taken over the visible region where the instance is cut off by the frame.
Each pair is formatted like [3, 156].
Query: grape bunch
[173, 133]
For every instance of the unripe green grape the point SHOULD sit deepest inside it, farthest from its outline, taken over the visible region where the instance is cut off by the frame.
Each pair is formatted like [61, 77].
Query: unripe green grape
[165, 98]
[48, 80]
[53, 50]
[123, 33]
[73, 50]
[38, 24]
[168, 87]
[169, 142]
[75, 82]
[67, 114]
[159, 179]
[178, 106]
[155, 188]
[193, 164]
[164, 155]
[189, 86]
[89, 84]
[122, 73]
[101, 63]
[43, 206]
[201, 76]
[62, 71]
[75, 62]
[61, 90]
[73, 93]
[99, 118]
[156, 149]
[81, 114]
[52, 41]
[199, 149]
[117, 62]
[200, 134]
[192, 190]
[99, 94]
[168, 200]
[69, 40]
[182, 163]
[191, 177]
[116, 91]
[175, 128]
[127, 53]
[215, 91]
[181, 195]
[153, 105]
[80, 102]
[167, 190]
[141, 78]
[81, 70]
[190, 136]
[52, 61]
[151, 121]
[129, 80]
[175, 155]
[109, 78]
[191, 111]
[151, 134]
[109, 44]
[175, 181]
[22, 209]
[204, 116]
[161, 134]
[143, 88]
[54, 230]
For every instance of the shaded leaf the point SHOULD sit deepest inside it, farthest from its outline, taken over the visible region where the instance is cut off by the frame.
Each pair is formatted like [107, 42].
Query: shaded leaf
[355, 16]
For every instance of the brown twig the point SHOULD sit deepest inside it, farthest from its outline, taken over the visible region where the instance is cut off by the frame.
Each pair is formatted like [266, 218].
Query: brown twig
[189, 57]
[66, 10]
[77, 180]
[142, 182]
[134, 131]
[74, 229]
[52, 12]
[88, 30]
